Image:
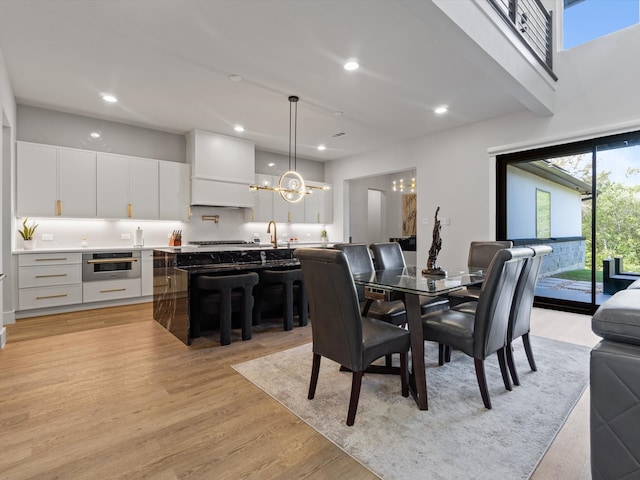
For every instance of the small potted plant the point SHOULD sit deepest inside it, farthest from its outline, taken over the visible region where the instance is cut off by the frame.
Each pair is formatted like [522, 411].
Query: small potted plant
[27, 234]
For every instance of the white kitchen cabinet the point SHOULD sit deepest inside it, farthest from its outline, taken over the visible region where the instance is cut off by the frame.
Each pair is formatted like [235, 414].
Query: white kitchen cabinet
[317, 205]
[174, 181]
[127, 187]
[55, 181]
[49, 280]
[262, 210]
[146, 273]
[286, 212]
[110, 290]
[222, 168]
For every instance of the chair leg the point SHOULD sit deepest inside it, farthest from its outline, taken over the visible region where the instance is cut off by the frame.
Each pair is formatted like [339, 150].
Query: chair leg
[287, 307]
[447, 353]
[404, 374]
[315, 370]
[502, 360]
[225, 317]
[511, 364]
[246, 313]
[356, 383]
[441, 348]
[482, 382]
[388, 361]
[303, 306]
[529, 352]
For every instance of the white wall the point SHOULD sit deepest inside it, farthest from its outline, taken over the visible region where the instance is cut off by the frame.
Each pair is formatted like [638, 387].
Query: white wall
[7, 156]
[596, 95]
[566, 206]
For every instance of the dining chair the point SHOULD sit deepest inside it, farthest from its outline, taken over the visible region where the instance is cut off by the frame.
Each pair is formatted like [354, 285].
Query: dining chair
[339, 331]
[520, 316]
[479, 329]
[359, 261]
[480, 255]
[389, 255]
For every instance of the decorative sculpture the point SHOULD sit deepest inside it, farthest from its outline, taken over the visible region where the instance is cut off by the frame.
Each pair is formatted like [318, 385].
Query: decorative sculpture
[436, 245]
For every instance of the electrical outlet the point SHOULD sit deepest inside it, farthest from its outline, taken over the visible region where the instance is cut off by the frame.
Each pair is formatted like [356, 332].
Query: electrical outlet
[47, 237]
[125, 236]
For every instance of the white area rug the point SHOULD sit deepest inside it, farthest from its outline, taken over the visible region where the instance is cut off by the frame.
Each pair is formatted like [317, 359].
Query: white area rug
[457, 438]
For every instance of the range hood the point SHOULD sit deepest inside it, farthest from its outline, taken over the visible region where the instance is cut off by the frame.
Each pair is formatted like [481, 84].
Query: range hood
[222, 168]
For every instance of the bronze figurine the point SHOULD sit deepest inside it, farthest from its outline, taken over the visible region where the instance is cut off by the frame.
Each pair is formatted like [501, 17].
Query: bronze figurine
[436, 245]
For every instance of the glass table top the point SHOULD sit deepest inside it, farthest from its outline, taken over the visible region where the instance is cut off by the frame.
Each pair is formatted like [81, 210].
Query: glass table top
[411, 280]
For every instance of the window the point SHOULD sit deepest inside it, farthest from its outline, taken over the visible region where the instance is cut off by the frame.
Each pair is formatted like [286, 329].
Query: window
[586, 20]
[543, 214]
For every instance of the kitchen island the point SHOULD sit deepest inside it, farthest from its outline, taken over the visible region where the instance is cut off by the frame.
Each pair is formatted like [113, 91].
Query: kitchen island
[175, 270]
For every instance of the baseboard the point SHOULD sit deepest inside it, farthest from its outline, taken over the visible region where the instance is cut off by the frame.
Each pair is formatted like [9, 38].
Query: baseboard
[3, 337]
[81, 306]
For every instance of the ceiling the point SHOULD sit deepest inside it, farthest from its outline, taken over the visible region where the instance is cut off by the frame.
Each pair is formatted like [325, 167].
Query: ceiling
[169, 64]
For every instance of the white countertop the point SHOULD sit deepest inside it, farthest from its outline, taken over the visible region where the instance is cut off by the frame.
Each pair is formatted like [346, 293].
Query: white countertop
[89, 249]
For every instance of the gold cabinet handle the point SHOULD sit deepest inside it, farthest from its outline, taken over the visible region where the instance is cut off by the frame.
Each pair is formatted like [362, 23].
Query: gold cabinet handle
[113, 290]
[44, 297]
[62, 259]
[129, 210]
[59, 207]
[188, 212]
[289, 217]
[113, 260]
[52, 275]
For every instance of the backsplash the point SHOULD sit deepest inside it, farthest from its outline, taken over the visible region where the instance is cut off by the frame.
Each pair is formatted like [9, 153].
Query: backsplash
[69, 233]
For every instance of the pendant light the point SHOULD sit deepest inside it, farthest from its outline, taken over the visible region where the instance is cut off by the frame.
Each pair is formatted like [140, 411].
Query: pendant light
[291, 186]
[399, 185]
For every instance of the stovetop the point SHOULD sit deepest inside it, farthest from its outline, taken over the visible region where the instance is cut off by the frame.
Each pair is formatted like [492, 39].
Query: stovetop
[206, 243]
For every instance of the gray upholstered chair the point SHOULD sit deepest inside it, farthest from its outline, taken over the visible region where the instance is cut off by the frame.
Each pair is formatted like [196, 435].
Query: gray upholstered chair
[479, 329]
[520, 317]
[480, 255]
[359, 261]
[339, 331]
[389, 255]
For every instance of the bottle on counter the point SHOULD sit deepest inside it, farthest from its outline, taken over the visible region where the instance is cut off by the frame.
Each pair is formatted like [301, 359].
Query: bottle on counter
[84, 243]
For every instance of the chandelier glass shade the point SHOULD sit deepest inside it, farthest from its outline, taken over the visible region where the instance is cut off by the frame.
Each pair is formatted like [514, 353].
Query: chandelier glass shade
[401, 186]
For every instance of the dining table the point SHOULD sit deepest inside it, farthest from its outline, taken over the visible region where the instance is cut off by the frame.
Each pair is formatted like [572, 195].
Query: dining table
[409, 284]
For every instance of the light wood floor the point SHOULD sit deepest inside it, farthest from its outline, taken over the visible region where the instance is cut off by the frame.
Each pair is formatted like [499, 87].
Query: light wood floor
[109, 394]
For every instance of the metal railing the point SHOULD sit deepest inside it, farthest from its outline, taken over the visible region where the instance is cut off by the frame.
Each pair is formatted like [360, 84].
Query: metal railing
[532, 24]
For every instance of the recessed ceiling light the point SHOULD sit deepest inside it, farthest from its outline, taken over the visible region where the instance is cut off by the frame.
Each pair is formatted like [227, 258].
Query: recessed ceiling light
[442, 109]
[109, 98]
[271, 164]
[239, 128]
[235, 78]
[321, 147]
[95, 134]
[338, 113]
[351, 65]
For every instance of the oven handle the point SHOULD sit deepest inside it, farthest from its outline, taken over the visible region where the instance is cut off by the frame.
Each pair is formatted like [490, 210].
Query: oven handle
[113, 260]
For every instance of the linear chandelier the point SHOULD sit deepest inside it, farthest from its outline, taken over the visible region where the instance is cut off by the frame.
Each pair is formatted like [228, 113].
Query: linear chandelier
[291, 186]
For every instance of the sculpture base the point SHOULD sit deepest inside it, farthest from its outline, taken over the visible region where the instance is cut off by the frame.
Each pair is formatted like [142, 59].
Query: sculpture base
[434, 271]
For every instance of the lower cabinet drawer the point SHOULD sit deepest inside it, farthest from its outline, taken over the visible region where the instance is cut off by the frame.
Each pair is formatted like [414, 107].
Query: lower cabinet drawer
[110, 290]
[42, 297]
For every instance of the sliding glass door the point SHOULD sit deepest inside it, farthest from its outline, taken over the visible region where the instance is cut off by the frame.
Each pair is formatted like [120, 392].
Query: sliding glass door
[583, 199]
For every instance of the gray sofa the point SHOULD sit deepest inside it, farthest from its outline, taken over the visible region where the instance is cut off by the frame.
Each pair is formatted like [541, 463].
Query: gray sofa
[615, 387]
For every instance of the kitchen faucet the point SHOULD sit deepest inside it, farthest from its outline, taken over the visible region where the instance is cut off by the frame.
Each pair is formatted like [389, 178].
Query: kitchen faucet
[274, 237]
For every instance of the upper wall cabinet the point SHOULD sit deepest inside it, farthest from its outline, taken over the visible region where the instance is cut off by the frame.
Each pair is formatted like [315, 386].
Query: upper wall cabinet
[55, 181]
[127, 187]
[222, 168]
[174, 190]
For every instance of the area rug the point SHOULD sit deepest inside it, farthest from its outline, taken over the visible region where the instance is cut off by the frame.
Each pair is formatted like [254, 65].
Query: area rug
[457, 437]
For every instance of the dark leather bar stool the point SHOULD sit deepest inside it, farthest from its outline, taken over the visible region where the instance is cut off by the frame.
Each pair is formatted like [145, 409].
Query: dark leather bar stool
[224, 294]
[287, 287]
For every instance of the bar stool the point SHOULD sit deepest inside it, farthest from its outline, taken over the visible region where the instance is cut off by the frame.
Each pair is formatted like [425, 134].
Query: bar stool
[288, 285]
[223, 294]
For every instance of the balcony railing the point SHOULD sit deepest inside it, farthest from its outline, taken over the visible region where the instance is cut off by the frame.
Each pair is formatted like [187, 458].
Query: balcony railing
[532, 24]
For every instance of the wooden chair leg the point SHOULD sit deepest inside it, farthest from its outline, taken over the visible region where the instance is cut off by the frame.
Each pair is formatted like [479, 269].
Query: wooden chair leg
[512, 365]
[502, 360]
[315, 370]
[404, 374]
[441, 354]
[447, 353]
[388, 361]
[529, 352]
[356, 383]
[482, 382]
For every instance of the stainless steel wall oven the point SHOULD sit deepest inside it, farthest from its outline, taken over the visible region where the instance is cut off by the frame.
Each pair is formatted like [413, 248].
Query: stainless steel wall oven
[110, 265]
